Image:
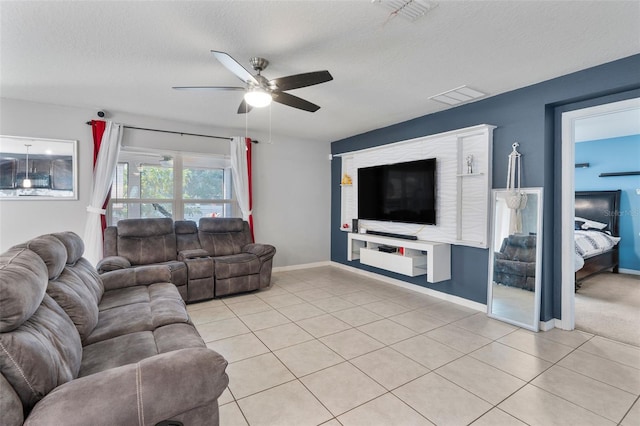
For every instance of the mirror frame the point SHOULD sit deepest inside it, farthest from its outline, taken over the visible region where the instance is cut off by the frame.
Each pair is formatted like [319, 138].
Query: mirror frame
[535, 324]
[30, 194]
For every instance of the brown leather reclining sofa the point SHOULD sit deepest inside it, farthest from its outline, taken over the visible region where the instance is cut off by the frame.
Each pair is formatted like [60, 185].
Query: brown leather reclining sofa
[215, 258]
[78, 348]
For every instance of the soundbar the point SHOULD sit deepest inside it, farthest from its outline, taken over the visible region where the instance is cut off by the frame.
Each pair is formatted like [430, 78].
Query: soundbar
[389, 234]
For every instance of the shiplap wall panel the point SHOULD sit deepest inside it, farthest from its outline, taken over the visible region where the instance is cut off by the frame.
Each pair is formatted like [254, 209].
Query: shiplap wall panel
[462, 202]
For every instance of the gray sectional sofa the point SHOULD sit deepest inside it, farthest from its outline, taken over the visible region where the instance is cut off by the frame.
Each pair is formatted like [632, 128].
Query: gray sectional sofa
[215, 258]
[79, 348]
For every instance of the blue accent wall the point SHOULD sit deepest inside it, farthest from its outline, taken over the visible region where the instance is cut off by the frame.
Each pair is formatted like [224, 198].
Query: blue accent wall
[526, 115]
[608, 156]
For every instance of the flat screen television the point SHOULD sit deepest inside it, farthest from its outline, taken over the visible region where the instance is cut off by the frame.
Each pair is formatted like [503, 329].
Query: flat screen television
[400, 192]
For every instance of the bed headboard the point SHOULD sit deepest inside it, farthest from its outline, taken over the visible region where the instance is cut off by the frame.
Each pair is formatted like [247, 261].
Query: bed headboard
[601, 206]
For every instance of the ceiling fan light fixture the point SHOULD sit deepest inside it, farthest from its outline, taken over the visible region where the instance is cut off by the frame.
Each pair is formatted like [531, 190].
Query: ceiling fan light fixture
[258, 98]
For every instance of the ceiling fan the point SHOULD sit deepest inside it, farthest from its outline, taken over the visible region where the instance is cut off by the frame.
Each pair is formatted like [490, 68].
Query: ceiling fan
[260, 91]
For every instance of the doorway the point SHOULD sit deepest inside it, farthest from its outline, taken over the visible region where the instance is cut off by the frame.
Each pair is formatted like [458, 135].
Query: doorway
[574, 122]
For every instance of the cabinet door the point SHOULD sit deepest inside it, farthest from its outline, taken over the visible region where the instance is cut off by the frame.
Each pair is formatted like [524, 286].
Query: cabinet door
[8, 170]
[62, 175]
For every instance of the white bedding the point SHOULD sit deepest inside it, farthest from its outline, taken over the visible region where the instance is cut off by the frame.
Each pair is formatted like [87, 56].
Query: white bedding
[591, 243]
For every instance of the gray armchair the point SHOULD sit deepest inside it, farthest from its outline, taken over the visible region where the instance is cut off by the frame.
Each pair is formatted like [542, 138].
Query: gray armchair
[239, 264]
[135, 242]
[515, 264]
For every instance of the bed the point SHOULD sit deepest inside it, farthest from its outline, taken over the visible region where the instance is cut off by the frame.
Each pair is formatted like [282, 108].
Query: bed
[601, 207]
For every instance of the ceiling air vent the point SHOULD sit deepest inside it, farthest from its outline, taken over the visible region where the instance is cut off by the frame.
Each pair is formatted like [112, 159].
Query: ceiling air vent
[408, 9]
[457, 96]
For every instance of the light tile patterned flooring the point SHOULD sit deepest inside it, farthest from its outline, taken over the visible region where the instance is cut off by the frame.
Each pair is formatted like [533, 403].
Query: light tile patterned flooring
[328, 346]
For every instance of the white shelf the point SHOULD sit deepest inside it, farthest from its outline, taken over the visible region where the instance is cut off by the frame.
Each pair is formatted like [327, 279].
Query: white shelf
[418, 258]
[469, 174]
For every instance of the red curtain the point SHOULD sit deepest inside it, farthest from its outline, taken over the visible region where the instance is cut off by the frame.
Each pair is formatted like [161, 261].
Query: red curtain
[97, 128]
[248, 142]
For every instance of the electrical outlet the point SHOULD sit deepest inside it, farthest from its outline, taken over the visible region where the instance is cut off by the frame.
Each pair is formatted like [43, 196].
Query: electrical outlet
[638, 191]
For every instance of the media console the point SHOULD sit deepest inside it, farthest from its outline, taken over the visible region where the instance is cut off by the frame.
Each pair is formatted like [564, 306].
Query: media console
[413, 257]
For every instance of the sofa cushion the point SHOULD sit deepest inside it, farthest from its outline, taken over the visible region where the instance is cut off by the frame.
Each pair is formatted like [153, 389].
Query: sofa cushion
[236, 265]
[10, 404]
[78, 288]
[223, 236]
[52, 251]
[217, 225]
[23, 282]
[72, 294]
[146, 241]
[121, 320]
[132, 311]
[40, 355]
[186, 235]
[145, 227]
[73, 244]
[109, 353]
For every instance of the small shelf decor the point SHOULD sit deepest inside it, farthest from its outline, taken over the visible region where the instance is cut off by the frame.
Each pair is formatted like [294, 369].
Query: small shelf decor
[346, 180]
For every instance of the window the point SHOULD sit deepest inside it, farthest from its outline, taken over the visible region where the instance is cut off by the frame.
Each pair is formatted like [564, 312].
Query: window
[179, 186]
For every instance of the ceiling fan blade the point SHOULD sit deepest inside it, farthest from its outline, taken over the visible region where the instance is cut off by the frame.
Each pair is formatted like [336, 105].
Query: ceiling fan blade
[233, 66]
[301, 80]
[244, 107]
[294, 101]
[208, 88]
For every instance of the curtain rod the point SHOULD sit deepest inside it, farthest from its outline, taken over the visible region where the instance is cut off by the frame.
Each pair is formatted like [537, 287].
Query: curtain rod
[176, 133]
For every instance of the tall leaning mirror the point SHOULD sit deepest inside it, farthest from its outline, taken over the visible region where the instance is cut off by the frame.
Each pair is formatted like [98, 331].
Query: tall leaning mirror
[515, 262]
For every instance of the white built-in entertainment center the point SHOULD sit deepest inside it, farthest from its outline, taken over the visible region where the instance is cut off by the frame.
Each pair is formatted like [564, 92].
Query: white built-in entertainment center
[463, 188]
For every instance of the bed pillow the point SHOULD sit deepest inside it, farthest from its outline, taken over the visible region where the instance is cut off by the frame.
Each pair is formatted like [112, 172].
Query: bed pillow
[590, 224]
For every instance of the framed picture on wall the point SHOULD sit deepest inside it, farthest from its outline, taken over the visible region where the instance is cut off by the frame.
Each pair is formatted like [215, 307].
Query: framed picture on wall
[38, 169]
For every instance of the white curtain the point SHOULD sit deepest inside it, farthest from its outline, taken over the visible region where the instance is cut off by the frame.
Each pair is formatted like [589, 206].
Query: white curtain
[103, 173]
[240, 174]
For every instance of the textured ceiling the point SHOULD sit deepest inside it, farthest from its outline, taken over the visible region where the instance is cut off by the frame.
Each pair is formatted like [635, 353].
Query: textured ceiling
[125, 56]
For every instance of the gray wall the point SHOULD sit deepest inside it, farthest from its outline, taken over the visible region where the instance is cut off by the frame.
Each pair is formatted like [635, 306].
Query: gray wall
[290, 177]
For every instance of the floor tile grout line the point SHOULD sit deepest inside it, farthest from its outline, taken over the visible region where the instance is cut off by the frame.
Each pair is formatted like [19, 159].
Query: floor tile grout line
[589, 377]
[411, 309]
[576, 404]
[603, 357]
[383, 386]
[553, 364]
[637, 401]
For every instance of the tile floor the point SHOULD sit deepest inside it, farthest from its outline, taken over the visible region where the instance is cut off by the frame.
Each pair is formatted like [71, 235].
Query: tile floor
[328, 346]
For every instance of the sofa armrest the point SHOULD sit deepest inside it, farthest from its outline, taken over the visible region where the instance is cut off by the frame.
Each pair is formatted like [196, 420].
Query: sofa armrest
[139, 275]
[263, 251]
[112, 263]
[155, 389]
[500, 256]
[192, 254]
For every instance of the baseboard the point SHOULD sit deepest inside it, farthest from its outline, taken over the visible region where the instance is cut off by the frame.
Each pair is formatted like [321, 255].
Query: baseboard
[628, 271]
[548, 325]
[302, 266]
[429, 292]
